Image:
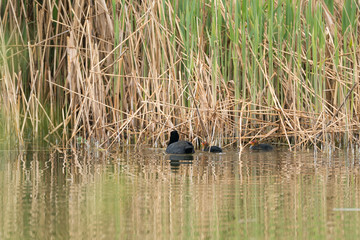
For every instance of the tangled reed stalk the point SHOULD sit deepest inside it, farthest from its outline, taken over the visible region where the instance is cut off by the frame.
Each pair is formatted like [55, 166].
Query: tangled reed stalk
[221, 71]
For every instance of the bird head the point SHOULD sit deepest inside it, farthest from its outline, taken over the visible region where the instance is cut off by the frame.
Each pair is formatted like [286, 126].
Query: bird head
[205, 144]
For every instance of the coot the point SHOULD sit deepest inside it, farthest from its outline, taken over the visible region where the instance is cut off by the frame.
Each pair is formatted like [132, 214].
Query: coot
[213, 149]
[178, 147]
[255, 145]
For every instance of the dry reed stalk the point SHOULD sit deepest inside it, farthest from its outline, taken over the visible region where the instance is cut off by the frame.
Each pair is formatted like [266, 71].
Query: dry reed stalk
[132, 71]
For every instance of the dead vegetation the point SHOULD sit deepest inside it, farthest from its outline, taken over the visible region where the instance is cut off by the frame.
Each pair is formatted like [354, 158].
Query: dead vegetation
[131, 71]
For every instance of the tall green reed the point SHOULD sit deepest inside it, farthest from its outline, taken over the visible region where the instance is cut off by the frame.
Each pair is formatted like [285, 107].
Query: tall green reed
[254, 68]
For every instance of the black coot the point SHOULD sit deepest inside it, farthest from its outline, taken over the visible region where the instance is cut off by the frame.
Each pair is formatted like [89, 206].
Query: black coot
[179, 147]
[255, 145]
[213, 149]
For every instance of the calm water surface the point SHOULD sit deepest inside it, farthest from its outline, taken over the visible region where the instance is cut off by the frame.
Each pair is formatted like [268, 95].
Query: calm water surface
[133, 194]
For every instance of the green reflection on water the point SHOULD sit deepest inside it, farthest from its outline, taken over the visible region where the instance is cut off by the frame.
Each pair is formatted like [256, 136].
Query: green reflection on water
[132, 195]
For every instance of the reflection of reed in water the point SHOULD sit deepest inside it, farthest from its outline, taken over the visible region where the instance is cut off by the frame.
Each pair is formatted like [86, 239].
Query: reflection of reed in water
[279, 190]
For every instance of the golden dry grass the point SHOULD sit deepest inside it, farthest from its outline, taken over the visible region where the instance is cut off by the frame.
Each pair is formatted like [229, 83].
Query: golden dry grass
[131, 71]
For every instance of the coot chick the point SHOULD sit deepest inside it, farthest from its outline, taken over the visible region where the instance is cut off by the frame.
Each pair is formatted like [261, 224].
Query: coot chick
[178, 147]
[255, 145]
[213, 149]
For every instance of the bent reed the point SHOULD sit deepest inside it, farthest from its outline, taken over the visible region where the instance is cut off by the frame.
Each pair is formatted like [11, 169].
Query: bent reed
[222, 71]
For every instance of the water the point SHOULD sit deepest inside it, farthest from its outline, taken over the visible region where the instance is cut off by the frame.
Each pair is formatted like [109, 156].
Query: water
[132, 194]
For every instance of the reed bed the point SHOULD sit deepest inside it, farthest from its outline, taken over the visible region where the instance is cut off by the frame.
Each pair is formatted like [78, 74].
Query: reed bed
[223, 71]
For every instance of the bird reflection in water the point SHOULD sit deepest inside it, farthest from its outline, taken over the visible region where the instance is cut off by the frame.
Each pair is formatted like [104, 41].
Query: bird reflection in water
[177, 159]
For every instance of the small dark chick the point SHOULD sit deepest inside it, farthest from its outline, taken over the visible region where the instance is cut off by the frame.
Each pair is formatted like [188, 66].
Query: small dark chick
[213, 149]
[255, 145]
